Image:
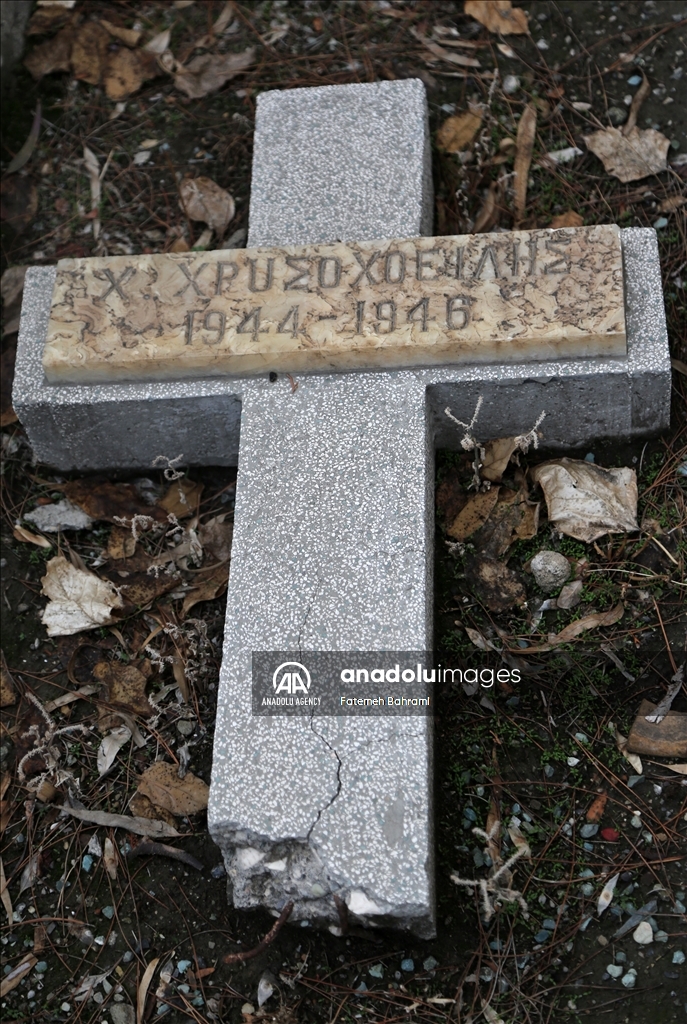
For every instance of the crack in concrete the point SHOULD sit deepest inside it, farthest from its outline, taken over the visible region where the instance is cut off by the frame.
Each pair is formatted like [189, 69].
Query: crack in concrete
[339, 783]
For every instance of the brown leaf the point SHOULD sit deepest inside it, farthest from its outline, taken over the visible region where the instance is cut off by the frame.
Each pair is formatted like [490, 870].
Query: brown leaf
[512, 518]
[26, 537]
[215, 537]
[211, 586]
[569, 219]
[163, 787]
[129, 36]
[208, 72]
[126, 71]
[48, 19]
[440, 53]
[202, 199]
[596, 810]
[121, 543]
[17, 974]
[53, 55]
[8, 694]
[667, 738]
[124, 687]
[89, 52]
[527, 130]
[139, 589]
[101, 499]
[488, 213]
[630, 157]
[667, 206]
[498, 16]
[142, 807]
[474, 514]
[143, 990]
[636, 105]
[458, 131]
[182, 498]
[608, 618]
[494, 583]
[496, 458]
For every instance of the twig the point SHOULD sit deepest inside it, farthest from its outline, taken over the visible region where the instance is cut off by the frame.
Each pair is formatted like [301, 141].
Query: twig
[249, 954]
[146, 849]
[665, 637]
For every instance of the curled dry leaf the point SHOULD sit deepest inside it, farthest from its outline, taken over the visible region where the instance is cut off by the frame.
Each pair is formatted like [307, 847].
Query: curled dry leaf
[163, 787]
[208, 72]
[215, 537]
[607, 894]
[17, 974]
[129, 36]
[79, 600]
[110, 747]
[458, 131]
[26, 537]
[159, 43]
[524, 146]
[90, 52]
[498, 16]
[630, 157]
[182, 498]
[586, 501]
[474, 514]
[621, 744]
[51, 56]
[142, 807]
[124, 688]
[579, 626]
[110, 858]
[202, 199]
[143, 989]
[126, 71]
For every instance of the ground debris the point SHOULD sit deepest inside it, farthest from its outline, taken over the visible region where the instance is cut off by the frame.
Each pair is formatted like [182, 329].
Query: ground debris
[586, 501]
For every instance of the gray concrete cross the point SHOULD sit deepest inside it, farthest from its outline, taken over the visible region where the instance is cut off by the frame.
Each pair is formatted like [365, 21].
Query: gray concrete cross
[333, 532]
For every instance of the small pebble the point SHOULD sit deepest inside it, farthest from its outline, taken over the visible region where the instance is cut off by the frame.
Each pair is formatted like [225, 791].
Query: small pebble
[408, 966]
[183, 966]
[636, 821]
[621, 957]
[66, 1007]
[185, 727]
[615, 970]
[678, 957]
[551, 570]
[87, 862]
[430, 963]
[542, 936]
[549, 923]
[376, 971]
[643, 933]
[511, 84]
[660, 936]
[630, 978]
[548, 770]
[41, 967]
[589, 830]
[108, 912]
[602, 940]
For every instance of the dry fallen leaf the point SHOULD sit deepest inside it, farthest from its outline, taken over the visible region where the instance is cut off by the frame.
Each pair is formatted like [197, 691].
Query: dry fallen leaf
[494, 583]
[126, 71]
[498, 16]
[441, 53]
[584, 624]
[208, 72]
[621, 744]
[5, 895]
[207, 589]
[667, 738]
[215, 537]
[202, 199]
[129, 36]
[607, 894]
[19, 533]
[89, 52]
[79, 600]
[681, 769]
[53, 55]
[512, 518]
[17, 974]
[474, 514]
[142, 807]
[163, 787]
[182, 498]
[159, 43]
[497, 455]
[668, 205]
[110, 858]
[527, 129]
[8, 695]
[110, 747]
[125, 687]
[569, 219]
[458, 131]
[586, 501]
[101, 499]
[488, 213]
[143, 990]
[630, 157]
[596, 810]
[139, 826]
[121, 543]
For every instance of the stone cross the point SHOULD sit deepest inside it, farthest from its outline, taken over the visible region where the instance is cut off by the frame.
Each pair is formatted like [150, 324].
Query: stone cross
[333, 534]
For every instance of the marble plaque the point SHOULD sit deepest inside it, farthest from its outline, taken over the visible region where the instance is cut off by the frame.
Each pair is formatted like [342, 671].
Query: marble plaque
[511, 296]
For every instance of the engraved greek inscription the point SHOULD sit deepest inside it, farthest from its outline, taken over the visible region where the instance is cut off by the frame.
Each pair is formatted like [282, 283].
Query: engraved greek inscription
[115, 282]
[562, 265]
[251, 318]
[300, 281]
[220, 319]
[394, 267]
[421, 256]
[188, 320]
[419, 314]
[329, 272]
[459, 305]
[488, 253]
[283, 327]
[359, 313]
[460, 257]
[191, 281]
[367, 268]
[386, 314]
[221, 278]
[532, 247]
[253, 273]
[515, 258]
